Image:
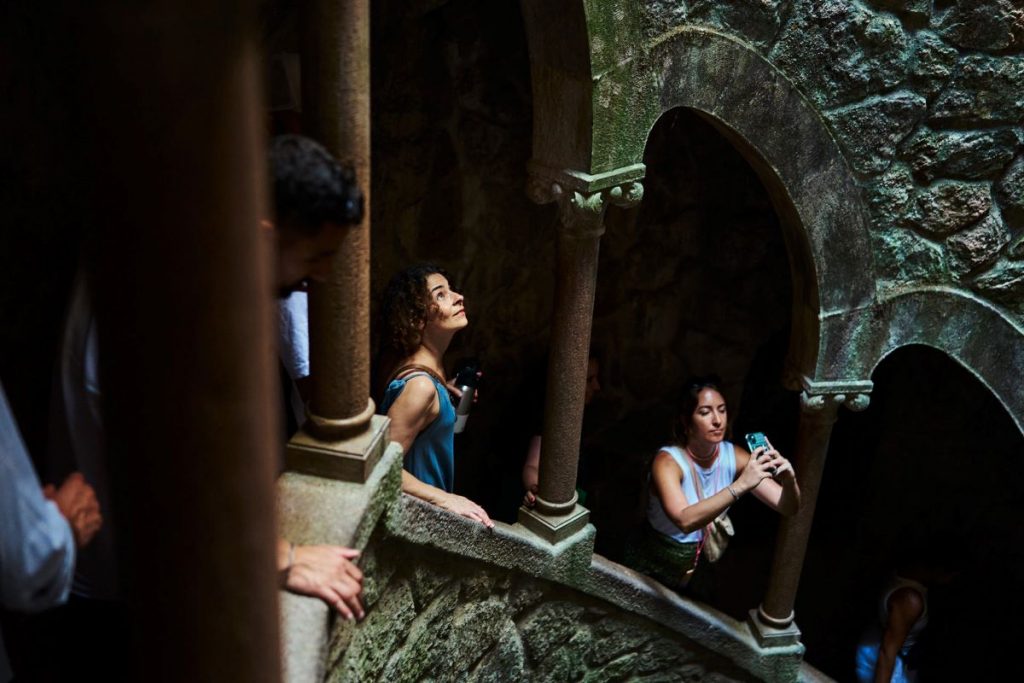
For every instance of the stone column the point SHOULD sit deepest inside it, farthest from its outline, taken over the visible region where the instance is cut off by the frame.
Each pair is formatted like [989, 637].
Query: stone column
[582, 205]
[342, 438]
[773, 622]
[183, 293]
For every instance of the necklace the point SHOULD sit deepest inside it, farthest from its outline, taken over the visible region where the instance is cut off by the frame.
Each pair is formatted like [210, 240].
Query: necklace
[706, 461]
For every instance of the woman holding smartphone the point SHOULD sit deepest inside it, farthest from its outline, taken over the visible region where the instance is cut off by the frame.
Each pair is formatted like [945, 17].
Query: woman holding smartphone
[420, 315]
[697, 478]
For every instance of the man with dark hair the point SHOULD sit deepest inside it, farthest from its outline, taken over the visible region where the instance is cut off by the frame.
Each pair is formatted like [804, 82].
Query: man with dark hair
[315, 199]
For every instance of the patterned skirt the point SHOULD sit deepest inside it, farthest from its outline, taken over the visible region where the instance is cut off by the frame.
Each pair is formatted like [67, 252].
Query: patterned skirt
[661, 557]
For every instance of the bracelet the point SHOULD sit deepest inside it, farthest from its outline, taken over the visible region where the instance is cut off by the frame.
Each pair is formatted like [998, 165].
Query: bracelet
[728, 488]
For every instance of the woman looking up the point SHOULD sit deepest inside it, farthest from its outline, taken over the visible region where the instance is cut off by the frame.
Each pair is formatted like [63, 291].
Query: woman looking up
[420, 314]
[698, 477]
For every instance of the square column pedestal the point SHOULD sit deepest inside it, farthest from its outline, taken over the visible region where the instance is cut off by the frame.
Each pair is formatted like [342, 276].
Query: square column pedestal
[350, 459]
[770, 636]
[554, 529]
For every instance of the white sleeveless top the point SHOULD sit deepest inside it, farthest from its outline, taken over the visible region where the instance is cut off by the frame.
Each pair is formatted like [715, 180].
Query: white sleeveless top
[895, 583]
[712, 480]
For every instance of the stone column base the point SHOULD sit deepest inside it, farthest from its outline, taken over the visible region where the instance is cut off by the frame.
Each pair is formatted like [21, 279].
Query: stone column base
[554, 529]
[768, 636]
[350, 459]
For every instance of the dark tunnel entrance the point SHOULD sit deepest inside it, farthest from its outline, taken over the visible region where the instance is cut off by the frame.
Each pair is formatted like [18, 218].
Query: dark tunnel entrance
[929, 471]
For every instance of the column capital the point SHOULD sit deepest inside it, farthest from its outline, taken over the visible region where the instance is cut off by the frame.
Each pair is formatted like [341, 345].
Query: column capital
[582, 198]
[823, 397]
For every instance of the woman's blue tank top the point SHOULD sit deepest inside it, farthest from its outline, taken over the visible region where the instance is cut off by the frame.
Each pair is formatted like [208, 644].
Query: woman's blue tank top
[431, 458]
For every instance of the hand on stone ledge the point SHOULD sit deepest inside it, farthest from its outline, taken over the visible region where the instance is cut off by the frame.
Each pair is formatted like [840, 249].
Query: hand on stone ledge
[326, 572]
[465, 507]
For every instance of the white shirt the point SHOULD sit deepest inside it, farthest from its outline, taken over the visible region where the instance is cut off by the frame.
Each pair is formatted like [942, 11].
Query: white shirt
[37, 548]
[293, 345]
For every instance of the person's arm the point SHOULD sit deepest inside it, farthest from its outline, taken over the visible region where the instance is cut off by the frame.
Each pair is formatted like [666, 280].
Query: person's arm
[325, 572]
[666, 476]
[780, 492]
[412, 412]
[37, 548]
[531, 471]
[905, 607]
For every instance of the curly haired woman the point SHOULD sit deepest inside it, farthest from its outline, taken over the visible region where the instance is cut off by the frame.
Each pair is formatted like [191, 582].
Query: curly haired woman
[420, 314]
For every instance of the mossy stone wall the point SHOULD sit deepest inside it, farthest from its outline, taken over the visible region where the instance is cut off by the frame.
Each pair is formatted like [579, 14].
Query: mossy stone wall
[926, 101]
[447, 618]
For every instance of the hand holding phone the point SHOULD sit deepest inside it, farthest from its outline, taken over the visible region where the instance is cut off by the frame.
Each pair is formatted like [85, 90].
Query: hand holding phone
[757, 440]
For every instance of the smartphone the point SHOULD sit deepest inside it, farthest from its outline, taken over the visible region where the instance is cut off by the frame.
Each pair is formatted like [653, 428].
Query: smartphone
[757, 440]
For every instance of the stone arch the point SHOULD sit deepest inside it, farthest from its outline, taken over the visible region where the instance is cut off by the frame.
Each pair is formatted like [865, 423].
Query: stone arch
[821, 208]
[969, 330]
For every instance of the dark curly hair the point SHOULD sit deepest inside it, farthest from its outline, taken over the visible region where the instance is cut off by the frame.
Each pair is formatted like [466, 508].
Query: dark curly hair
[689, 397]
[310, 187]
[406, 308]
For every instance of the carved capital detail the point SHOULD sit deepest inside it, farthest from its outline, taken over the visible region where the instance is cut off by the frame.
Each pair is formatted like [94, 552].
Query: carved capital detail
[825, 397]
[582, 198]
[582, 214]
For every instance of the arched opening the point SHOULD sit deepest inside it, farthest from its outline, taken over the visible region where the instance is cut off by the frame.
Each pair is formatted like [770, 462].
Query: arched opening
[931, 467]
[695, 280]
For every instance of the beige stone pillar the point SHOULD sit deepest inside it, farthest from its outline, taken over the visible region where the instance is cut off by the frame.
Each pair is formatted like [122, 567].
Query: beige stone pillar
[773, 622]
[582, 201]
[342, 438]
[174, 110]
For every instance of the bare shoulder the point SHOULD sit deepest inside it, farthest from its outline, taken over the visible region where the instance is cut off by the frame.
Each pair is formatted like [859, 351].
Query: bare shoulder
[665, 464]
[419, 396]
[908, 600]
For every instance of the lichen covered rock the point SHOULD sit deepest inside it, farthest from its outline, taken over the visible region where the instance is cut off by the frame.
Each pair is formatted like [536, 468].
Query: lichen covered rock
[969, 155]
[983, 24]
[870, 130]
[1009, 192]
[984, 90]
[1004, 283]
[947, 206]
[917, 12]
[890, 195]
[905, 258]
[756, 20]
[840, 52]
[977, 246]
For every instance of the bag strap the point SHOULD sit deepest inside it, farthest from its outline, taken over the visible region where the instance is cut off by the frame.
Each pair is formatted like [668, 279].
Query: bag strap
[693, 476]
[700, 496]
[418, 368]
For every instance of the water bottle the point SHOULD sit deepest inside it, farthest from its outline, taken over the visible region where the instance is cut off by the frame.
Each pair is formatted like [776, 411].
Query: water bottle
[466, 381]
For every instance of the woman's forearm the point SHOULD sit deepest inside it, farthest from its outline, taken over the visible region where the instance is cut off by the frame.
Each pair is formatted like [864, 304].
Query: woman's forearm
[885, 665]
[418, 489]
[530, 477]
[699, 515]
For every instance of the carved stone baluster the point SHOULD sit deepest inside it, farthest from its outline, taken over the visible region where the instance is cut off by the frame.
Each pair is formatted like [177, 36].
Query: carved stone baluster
[557, 514]
[342, 438]
[773, 622]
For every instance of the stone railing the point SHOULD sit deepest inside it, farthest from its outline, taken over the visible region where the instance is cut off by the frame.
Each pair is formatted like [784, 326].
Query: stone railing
[450, 600]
